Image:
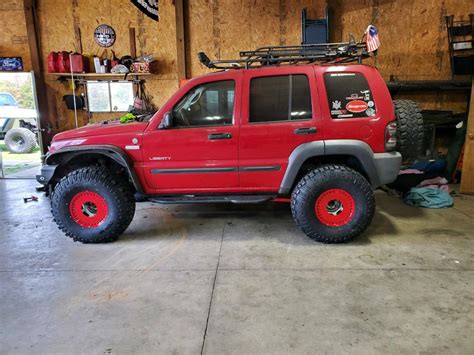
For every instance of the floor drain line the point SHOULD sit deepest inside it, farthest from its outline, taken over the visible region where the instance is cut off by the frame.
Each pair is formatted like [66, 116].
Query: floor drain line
[212, 292]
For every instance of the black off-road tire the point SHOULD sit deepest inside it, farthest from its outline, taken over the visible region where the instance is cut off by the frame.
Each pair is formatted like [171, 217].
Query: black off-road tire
[322, 181]
[117, 194]
[410, 130]
[20, 141]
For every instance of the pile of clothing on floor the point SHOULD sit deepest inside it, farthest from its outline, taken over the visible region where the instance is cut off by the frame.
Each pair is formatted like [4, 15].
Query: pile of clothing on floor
[423, 185]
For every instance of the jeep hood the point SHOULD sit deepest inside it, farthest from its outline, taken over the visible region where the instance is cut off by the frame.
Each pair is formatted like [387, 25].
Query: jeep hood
[101, 129]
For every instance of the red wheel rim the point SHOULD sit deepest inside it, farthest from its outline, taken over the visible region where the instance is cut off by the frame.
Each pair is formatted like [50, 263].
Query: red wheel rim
[335, 207]
[88, 209]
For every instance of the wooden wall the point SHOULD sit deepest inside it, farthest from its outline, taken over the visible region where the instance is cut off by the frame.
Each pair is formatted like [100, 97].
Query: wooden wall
[414, 40]
[413, 36]
[14, 40]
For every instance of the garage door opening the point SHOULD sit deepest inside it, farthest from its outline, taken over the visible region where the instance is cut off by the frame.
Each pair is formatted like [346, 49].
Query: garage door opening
[20, 151]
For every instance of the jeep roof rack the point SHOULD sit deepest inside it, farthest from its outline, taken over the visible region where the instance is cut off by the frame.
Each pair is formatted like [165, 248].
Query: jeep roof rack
[325, 53]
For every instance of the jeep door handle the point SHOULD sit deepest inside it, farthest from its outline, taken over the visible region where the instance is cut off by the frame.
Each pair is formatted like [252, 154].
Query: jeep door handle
[306, 130]
[216, 136]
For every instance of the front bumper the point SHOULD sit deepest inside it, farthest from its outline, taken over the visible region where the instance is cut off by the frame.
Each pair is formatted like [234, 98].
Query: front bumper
[47, 173]
[388, 166]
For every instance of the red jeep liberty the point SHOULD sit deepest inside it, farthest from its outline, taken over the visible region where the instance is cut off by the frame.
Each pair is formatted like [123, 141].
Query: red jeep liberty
[321, 135]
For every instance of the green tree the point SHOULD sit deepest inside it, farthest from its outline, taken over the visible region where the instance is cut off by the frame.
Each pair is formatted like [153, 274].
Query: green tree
[25, 99]
[22, 92]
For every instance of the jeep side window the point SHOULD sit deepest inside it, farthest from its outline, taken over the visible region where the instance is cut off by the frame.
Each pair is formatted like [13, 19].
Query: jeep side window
[210, 104]
[280, 98]
[349, 95]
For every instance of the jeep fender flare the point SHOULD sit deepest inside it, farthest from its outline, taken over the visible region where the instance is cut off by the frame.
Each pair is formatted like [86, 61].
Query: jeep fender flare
[349, 147]
[110, 151]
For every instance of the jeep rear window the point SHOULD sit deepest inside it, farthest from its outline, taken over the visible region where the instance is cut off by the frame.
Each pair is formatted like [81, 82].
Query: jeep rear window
[349, 95]
[280, 98]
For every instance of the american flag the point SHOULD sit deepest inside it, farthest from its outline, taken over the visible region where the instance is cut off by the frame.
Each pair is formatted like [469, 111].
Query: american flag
[372, 38]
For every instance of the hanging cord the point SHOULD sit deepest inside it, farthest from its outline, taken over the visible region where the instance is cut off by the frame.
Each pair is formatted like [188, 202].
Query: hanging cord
[73, 90]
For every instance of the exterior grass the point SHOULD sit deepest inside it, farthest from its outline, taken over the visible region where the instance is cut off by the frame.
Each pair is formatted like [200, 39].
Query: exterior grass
[6, 155]
[14, 163]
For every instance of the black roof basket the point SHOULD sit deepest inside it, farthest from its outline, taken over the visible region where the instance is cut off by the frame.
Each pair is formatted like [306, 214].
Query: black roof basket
[325, 53]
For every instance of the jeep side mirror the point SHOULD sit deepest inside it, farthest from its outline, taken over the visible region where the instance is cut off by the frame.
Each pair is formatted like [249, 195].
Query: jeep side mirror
[167, 121]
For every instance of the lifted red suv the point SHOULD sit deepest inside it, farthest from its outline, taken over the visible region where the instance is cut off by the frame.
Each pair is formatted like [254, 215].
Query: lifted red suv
[321, 135]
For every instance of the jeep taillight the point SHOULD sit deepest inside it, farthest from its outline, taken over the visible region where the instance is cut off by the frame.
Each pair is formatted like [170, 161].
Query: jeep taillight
[391, 136]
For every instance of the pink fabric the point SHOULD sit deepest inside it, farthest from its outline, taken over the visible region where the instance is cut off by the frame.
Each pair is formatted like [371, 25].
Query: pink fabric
[444, 188]
[436, 183]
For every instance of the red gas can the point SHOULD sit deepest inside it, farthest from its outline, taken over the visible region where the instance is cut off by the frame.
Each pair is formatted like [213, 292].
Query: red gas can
[53, 62]
[79, 63]
[64, 63]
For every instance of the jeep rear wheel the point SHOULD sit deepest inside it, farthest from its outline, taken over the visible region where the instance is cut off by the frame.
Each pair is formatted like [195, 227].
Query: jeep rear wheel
[90, 205]
[333, 204]
[410, 130]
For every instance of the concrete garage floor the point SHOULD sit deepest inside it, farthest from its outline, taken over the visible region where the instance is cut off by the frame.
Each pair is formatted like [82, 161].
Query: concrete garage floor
[236, 279]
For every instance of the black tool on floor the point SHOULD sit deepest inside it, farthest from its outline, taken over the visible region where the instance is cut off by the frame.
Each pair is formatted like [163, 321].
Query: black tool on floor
[31, 198]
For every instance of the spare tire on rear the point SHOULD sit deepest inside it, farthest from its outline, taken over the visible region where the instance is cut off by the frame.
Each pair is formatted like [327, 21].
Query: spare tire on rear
[410, 131]
[20, 141]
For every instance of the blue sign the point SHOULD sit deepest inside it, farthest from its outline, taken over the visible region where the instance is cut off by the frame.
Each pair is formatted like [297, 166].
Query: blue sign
[11, 64]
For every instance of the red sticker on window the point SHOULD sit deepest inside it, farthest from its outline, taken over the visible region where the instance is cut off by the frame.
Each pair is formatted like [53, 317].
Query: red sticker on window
[356, 106]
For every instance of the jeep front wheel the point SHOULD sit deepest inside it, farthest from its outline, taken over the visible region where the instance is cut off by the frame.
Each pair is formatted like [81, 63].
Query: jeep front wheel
[90, 205]
[333, 204]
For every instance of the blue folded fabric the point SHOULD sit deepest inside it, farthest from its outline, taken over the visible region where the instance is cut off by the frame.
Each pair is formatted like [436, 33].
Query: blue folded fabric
[430, 166]
[428, 197]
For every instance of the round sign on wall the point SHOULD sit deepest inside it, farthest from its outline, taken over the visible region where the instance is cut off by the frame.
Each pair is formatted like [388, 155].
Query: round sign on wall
[104, 36]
